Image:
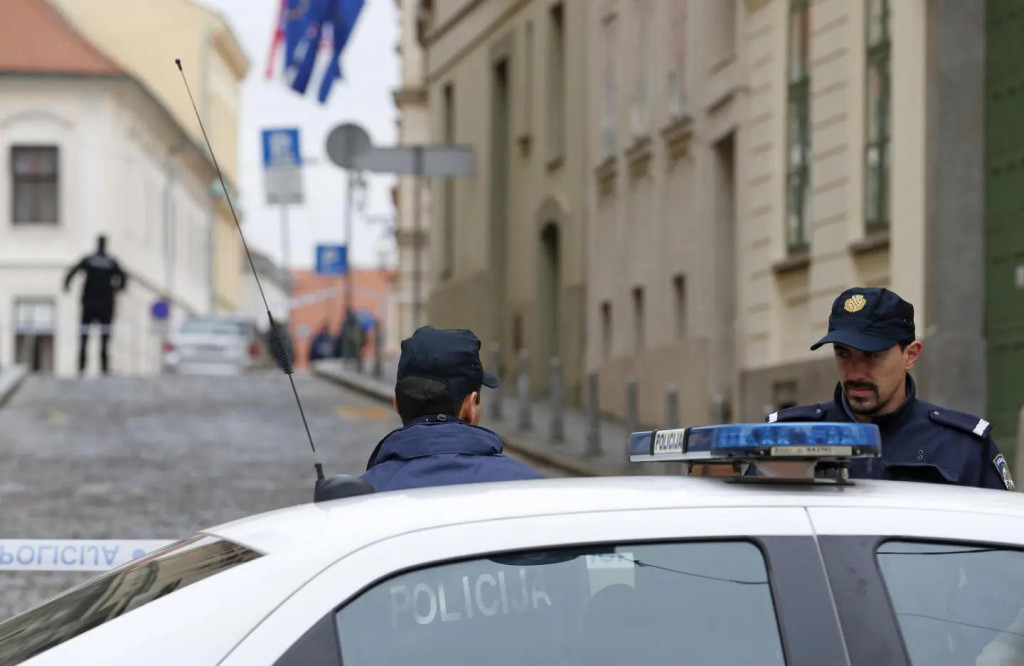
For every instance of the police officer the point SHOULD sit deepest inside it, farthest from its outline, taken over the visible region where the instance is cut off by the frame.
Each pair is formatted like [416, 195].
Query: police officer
[873, 339]
[437, 395]
[103, 279]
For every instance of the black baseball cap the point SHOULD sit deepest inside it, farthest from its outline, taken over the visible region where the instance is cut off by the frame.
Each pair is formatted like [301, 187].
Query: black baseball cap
[451, 356]
[869, 319]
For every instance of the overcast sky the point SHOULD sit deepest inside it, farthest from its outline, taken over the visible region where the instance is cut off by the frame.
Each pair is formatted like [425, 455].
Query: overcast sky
[371, 71]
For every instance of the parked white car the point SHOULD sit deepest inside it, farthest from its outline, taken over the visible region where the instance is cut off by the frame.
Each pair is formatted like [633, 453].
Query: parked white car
[218, 344]
[636, 570]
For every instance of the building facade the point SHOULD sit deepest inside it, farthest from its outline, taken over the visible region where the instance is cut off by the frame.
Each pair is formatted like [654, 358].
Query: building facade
[725, 170]
[412, 236]
[666, 90]
[508, 244]
[861, 167]
[85, 149]
[140, 37]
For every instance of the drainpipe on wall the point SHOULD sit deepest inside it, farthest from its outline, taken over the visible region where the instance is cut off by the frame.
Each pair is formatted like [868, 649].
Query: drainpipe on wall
[216, 194]
[170, 223]
[215, 191]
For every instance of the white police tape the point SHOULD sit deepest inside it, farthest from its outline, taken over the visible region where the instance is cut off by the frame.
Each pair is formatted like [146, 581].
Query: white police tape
[73, 554]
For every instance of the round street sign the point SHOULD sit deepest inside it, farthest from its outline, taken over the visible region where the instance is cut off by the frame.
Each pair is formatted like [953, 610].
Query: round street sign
[345, 143]
[160, 310]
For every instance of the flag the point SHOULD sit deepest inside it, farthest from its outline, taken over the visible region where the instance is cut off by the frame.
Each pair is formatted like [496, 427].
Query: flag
[275, 43]
[306, 27]
[343, 20]
[309, 29]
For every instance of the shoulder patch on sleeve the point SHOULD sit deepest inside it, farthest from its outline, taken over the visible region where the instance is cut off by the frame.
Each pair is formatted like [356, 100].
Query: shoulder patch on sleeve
[802, 413]
[1004, 472]
[965, 422]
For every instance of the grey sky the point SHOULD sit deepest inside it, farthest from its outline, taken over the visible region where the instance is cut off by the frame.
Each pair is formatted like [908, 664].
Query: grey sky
[371, 71]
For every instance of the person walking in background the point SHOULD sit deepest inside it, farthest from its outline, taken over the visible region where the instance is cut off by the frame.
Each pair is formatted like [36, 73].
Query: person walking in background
[103, 279]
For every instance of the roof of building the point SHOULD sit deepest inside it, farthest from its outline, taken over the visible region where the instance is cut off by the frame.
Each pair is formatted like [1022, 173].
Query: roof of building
[35, 39]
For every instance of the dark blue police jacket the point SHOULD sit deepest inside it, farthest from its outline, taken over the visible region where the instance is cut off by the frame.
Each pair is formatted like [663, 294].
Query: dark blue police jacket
[441, 450]
[920, 442]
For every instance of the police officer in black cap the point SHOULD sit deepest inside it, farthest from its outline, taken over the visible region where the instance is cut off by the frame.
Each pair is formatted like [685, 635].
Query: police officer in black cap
[437, 395]
[104, 277]
[873, 339]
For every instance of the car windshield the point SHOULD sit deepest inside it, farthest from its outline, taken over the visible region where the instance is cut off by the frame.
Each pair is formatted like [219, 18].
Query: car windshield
[214, 327]
[115, 593]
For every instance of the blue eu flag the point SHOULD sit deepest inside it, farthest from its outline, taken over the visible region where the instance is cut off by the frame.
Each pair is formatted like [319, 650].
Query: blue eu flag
[304, 25]
[343, 20]
[303, 28]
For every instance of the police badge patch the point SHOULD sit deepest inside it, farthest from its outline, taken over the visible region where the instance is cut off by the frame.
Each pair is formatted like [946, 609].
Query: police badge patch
[1004, 471]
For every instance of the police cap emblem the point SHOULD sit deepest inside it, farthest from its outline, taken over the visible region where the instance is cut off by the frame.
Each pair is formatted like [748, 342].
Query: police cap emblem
[1004, 471]
[855, 303]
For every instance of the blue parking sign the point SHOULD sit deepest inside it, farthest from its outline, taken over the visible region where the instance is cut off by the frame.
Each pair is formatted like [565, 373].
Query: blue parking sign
[331, 260]
[281, 147]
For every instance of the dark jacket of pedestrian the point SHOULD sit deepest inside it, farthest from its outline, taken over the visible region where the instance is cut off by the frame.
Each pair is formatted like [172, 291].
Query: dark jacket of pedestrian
[441, 450]
[437, 395]
[322, 346]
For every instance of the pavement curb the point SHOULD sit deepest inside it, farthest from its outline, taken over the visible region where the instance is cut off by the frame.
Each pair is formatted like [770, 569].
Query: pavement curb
[368, 388]
[10, 380]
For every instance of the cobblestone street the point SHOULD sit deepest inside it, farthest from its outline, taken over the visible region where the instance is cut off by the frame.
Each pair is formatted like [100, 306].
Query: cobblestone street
[162, 458]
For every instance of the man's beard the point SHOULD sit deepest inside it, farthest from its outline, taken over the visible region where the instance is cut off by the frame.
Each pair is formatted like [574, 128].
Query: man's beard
[864, 409]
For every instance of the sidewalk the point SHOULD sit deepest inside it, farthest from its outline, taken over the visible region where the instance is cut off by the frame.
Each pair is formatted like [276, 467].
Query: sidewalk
[11, 377]
[569, 455]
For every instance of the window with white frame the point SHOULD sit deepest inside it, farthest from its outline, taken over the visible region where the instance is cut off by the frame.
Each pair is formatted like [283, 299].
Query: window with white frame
[35, 181]
[35, 325]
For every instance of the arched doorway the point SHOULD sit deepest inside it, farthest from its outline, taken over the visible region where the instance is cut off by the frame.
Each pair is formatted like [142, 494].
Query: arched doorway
[549, 283]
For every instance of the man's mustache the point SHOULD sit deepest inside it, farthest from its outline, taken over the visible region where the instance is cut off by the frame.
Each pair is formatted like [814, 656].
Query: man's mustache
[847, 386]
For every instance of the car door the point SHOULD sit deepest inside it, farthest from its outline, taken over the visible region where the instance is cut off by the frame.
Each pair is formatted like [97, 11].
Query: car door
[935, 587]
[646, 586]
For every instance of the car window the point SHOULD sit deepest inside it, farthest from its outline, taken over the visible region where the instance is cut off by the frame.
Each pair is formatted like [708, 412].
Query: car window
[956, 604]
[651, 604]
[115, 593]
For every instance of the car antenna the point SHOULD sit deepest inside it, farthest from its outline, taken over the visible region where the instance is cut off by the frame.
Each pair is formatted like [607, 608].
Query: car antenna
[337, 486]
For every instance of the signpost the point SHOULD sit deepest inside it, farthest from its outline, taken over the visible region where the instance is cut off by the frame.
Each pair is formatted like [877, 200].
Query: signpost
[282, 166]
[350, 147]
[282, 180]
[160, 313]
[437, 160]
[332, 260]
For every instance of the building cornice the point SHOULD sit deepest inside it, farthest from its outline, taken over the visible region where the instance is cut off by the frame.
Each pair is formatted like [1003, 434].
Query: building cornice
[410, 96]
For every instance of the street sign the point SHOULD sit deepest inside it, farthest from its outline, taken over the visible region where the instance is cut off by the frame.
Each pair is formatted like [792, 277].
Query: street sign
[345, 143]
[282, 166]
[434, 160]
[331, 260]
[160, 310]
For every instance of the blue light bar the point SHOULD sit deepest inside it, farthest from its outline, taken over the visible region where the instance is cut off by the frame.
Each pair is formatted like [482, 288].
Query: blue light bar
[762, 441]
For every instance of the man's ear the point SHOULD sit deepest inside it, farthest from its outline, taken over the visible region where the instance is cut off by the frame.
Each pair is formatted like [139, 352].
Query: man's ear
[468, 406]
[394, 403]
[912, 354]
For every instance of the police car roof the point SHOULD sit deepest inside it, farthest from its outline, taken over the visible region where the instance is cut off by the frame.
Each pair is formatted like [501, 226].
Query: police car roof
[332, 529]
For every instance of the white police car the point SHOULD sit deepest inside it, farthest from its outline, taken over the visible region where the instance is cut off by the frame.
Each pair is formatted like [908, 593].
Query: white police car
[646, 570]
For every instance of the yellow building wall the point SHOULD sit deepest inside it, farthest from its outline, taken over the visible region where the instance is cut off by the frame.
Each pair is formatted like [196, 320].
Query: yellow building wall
[145, 38]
